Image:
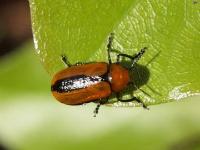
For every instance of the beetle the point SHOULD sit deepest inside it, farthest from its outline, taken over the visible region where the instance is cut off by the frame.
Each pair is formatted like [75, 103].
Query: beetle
[94, 82]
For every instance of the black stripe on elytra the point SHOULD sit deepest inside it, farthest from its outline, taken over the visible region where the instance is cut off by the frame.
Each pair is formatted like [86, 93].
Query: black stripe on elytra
[76, 82]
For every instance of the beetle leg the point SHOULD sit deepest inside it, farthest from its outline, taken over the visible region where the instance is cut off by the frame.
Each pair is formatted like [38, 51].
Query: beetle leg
[137, 56]
[97, 109]
[65, 61]
[123, 55]
[101, 102]
[134, 58]
[132, 99]
[109, 47]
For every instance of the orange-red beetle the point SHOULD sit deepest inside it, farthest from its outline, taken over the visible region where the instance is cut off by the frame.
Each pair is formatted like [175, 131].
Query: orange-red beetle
[90, 82]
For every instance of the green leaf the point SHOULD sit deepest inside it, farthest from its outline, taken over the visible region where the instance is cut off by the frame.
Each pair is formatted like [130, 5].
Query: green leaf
[170, 29]
[21, 72]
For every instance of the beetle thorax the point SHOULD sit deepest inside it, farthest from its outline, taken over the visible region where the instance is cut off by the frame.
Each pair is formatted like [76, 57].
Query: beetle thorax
[118, 77]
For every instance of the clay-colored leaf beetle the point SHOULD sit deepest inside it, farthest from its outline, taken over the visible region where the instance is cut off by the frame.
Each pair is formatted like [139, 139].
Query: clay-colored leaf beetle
[91, 82]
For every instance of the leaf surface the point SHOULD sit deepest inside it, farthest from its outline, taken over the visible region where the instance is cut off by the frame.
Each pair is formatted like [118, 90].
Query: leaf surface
[168, 71]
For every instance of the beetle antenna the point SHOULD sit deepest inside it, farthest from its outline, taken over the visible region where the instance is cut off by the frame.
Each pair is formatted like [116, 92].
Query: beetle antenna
[97, 109]
[137, 88]
[149, 62]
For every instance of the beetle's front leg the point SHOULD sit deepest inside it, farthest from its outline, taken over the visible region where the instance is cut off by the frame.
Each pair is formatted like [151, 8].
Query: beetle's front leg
[134, 59]
[65, 60]
[109, 47]
[67, 63]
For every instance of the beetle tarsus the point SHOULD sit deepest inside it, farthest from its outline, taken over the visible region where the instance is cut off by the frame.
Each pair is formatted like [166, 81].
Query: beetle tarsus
[137, 56]
[97, 109]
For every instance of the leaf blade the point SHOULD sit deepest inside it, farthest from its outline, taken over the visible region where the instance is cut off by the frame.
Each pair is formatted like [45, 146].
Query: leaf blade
[80, 29]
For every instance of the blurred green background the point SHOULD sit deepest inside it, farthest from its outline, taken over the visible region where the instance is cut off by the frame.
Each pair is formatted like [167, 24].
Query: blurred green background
[31, 119]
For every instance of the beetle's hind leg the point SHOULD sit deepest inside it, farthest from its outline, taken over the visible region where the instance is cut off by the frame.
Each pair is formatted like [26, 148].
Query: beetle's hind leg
[101, 102]
[131, 99]
[65, 60]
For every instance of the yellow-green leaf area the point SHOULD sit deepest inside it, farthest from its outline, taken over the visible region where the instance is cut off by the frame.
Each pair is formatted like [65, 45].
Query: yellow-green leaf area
[170, 29]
